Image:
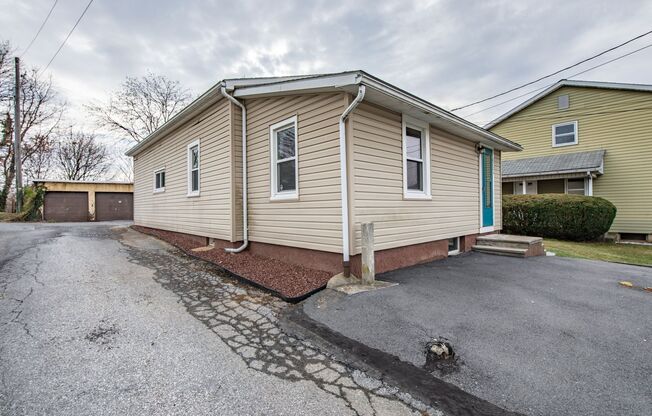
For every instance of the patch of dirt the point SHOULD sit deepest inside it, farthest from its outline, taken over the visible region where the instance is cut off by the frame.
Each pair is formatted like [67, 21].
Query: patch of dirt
[289, 280]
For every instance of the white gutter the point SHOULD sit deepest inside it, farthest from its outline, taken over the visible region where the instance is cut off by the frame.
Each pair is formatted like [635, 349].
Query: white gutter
[245, 225]
[344, 181]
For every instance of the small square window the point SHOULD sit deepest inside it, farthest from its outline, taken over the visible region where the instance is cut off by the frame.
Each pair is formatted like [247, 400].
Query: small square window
[564, 134]
[563, 102]
[159, 180]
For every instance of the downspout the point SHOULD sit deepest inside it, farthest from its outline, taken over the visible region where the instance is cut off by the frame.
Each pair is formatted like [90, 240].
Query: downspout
[344, 181]
[245, 226]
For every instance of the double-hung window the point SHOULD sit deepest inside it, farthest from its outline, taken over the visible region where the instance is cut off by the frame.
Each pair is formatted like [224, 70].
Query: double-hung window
[159, 180]
[193, 168]
[416, 159]
[284, 162]
[564, 134]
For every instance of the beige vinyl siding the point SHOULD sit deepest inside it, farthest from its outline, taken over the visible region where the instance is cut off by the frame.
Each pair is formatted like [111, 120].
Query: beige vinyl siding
[314, 220]
[378, 184]
[498, 192]
[615, 120]
[206, 215]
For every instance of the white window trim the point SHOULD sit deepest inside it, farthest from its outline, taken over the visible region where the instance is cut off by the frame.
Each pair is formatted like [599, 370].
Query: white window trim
[425, 128]
[161, 189]
[491, 228]
[566, 185]
[283, 195]
[192, 193]
[456, 251]
[577, 134]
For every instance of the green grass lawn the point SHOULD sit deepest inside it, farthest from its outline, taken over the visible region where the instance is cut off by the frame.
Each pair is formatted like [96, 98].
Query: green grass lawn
[622, 253]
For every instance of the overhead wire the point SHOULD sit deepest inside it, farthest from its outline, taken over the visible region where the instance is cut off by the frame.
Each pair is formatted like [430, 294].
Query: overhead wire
[68, 36]
[554, 73]
[40, 28]
[550, 85]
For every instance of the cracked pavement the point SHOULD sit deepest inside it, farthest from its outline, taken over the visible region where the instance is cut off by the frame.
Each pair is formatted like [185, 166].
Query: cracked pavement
[96, 318]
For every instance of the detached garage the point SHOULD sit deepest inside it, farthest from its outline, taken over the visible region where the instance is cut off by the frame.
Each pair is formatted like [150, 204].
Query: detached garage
[74, 201]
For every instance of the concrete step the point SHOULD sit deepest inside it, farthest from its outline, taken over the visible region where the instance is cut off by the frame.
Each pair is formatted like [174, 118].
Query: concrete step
[501, 251]
[506, 240]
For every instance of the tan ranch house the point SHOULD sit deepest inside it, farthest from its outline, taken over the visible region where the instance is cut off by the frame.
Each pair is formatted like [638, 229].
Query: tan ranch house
[585, 138]
[290, 167]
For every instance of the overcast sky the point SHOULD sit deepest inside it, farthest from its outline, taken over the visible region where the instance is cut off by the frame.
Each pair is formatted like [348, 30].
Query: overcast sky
[449, 52]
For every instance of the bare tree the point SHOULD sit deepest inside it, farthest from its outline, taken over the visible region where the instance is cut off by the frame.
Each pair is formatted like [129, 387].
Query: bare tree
[40, 112]
[124, 166]
[39, 165]
[80, 156]
[141, 105]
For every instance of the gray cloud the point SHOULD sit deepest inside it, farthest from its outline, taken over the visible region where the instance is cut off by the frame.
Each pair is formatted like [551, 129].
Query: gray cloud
[450, 52]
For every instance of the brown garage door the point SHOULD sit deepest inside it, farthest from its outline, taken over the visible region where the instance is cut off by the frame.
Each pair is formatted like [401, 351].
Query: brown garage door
[111, 206]
[66, 206]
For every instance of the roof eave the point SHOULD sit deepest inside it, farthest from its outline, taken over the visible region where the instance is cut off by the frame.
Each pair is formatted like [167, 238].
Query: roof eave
[568, 83]
[426, 106]
[194, 108]
[554, 172]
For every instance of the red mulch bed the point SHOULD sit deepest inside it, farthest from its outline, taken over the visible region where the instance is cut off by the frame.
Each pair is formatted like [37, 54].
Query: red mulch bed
[290, 281]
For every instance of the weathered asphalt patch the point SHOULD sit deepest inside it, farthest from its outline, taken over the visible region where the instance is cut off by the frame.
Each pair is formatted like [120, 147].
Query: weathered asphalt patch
[246, 319]
[407, 377]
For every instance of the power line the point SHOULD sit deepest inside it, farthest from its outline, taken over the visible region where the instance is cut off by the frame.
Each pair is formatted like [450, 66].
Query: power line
[554, 73]
[625, 102]
[69, 33]
[40, 28]
[566, 116]
[550, 85]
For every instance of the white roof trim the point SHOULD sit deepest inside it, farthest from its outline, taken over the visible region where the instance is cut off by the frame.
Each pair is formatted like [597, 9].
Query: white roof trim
[553, 172]
[569, 83]
[86, 182]
[249, 88]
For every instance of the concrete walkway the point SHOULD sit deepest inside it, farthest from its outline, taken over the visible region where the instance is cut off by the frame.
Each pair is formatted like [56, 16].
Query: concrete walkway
[540, 336]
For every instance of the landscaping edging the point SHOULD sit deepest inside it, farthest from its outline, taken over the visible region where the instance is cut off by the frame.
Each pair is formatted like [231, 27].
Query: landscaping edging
[202, 255]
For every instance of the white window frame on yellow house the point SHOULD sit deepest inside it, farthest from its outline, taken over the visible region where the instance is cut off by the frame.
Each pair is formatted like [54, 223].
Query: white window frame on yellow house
[575, 133]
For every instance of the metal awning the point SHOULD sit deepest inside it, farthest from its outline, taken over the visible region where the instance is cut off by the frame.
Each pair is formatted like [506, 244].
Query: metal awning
[562, 165]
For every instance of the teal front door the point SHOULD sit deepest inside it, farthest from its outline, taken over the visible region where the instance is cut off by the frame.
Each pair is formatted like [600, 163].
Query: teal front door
[487, 187]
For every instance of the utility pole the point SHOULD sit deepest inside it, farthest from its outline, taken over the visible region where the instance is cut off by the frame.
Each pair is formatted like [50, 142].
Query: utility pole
[17, 157]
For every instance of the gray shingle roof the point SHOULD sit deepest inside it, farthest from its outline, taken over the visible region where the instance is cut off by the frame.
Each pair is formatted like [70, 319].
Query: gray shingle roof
[564, 163]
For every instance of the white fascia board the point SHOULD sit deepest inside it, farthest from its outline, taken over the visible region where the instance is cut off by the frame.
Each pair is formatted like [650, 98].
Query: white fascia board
[233, 83]
[200, 104]
[299, 85]
[569, 83]
[552, 172]
[524, 104]
[429, 108]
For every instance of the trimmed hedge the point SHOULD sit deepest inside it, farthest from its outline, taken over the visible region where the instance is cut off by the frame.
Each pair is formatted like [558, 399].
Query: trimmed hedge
[560, 216]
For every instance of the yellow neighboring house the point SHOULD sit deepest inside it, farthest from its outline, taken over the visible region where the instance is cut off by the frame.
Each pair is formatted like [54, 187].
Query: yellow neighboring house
[588, 138]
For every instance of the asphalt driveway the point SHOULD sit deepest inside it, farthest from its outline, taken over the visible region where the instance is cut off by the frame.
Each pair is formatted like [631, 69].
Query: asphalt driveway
[98, 319]
[540, 336]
